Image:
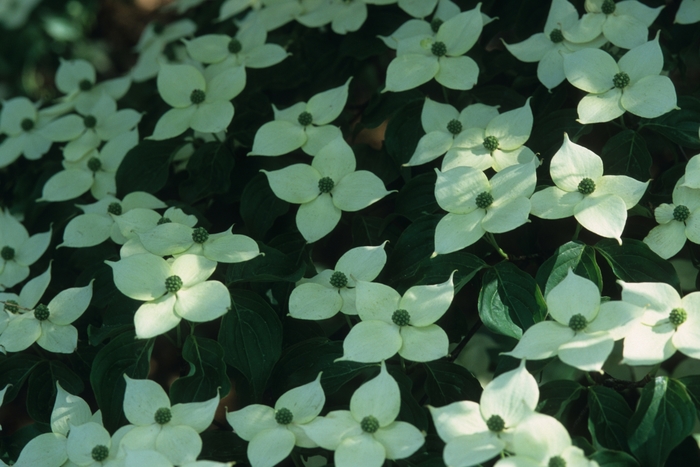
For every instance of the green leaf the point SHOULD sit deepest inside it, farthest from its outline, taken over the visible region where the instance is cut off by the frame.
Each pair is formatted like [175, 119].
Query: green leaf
[15, 370]
[607, 418]
[626, 153]
[411, 411]
[251, 336]
[303, 361]
[692, 385]
[146, 166]
[41, 388]
[548, 132]
[223, 446]
[273, 266]
[340, 373]
[123, 355]
[556, 395]
[207, 376]
[260, 207]
[437, 270]
[209, 170]
[576, 256]
[664, 417]
[633, 261]
[448, 382]
[680, 126]
[404, 131]
[608, 458]
[383, 106]
[415, 245]
[510, 301]
[417, 197]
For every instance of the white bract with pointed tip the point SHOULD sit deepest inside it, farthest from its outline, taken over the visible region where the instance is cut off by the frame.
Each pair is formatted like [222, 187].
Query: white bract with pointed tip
[669, 323]
[475, 433]
[392, 323]
[583, 329]
[77, 79]
[422, 58]
[368, 433]
[688, 12]
[326, 188]
[598, 202]
[203, 104]
[18, 250]
[334, 290]
[477, 205]
[90, 445]
[142, 220]
[172, 291]
[691, 179]
[633, 84]
[152, 42]
[172, 430]
[302, 125]
[23, 124]
[273, 433]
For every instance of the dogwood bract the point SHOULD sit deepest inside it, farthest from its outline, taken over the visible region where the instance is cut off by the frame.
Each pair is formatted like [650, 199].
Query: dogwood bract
[325, 188]
[18, 250]
[625, 24]
[171, 290]
[598, 202]
[273, 433]
[23, 124]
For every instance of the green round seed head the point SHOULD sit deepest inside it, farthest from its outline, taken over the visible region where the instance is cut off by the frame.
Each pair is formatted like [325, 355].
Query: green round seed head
[197, 96]
[163, 416]
[234, 46]
[27, 124]
[163, 220]
[338, 280]
[85, 85]
[435, 24]
[89, 121]
[401, 317]
[115, 208]
[284, 416]
[100, 453]
[325, 185]
[578, 322]
[556, 36]
[484, 200]
[305, 118]
[608, 7]
[491, 143]
[200, 235]
[454, 126]
[173, 284]
[11, 306]
[369, 424]
[586, 186]
[94, 164]
[677, 316]
[439, 49]
[7, 253]
[41, 312]
[621, 80]
[681, 213]
[495, 423]
[556, 461]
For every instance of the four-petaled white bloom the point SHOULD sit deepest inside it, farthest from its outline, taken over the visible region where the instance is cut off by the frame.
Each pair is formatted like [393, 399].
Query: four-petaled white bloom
[417, 27]
[302, 125]
[325, 188]
[633, 84]
[77, 79]
[598, 202]
[273, 433]
[393, 323]
[583, 329]
[18, 250]
[368, 433]
[334, 290]
[477, 205]
[90, 445]
[475, 433]
[22, 123]
[171, 290]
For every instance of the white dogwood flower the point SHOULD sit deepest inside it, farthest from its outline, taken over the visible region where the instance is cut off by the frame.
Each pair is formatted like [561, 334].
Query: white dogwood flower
[90, 445]
[77, 80]
[18, 250]
[22, 123]
[446, 9]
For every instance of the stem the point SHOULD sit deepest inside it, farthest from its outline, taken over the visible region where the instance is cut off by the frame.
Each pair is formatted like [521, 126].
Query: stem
[590, 379]
[179, 335]
[444, 94]
[490, 238]
[463, 343]
[622, 122]
[347, 318]
[216, 138]
[296, 459]
[403, 363]
[576, 232]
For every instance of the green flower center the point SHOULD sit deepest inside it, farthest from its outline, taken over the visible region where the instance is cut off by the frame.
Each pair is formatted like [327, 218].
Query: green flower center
[338, 280]
[163, 416]
[284, 416]
[681, 213]
[11, 306]
[439, 49]
[495, 423]
[85, 85]
[197, 96]
[234, 46]
[115, 208]
[556, 36]
[41, 312]
[454, 127]
[369, 424]
[621, 80]
[94, 164]
[200, 235]
[89, 121]
[7, 253]
[491, 143]
[163, 220]
[484, 200]
[608, 7]
[578, 322]
[556, 461]
[435, 24]
[326, 184]
[173, 284]
[100, 453]
[158, 28]
[586, 186]
[677, 316]
[305, 118]
[401, 317]
[27, 124]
